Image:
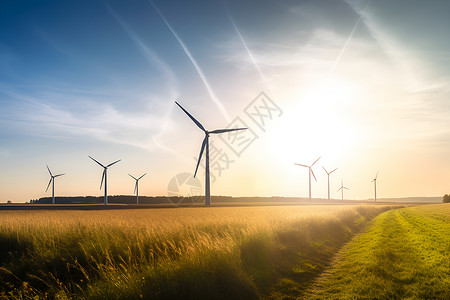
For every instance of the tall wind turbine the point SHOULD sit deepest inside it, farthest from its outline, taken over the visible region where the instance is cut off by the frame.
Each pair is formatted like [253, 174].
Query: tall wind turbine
[136, 187]
[104, 176]
[52, 180]
[310, 172]
[328, 174]
[205, 144]
[375, 186]
[342, 189]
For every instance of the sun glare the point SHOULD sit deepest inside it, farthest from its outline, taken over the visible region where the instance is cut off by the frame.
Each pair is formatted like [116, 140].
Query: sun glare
[324, 125]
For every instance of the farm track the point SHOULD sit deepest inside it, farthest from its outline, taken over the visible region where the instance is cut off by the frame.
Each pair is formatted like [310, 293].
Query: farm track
[402, 254]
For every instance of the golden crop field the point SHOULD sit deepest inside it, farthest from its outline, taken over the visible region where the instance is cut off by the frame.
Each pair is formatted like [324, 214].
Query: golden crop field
[216, 252]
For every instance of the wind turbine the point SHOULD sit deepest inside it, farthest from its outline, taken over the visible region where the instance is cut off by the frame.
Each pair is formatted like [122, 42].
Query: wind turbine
[136, 187]
[52, 180]
[328, 174]
[205, 144]
[310, 172]
[342, 189]
[104, 176]
[375, 185]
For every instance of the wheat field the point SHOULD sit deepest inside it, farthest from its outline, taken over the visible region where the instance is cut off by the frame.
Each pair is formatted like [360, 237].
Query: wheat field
[191, 253]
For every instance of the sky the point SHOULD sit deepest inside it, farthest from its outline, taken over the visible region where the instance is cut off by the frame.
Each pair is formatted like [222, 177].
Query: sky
[364, 85]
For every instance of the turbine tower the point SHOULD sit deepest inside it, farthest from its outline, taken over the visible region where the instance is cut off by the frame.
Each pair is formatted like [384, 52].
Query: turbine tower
[136, 187]
[104, 177]
[342, 189]
[310, 172]
[375, 186]
[205, 144]
[328, 175]
[52, 181]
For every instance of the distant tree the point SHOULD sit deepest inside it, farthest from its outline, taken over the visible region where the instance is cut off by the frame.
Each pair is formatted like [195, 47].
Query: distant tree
[446, 199]
[9, 202]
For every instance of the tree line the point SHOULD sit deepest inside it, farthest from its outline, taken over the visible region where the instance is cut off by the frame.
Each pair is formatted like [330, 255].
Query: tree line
[446, 198]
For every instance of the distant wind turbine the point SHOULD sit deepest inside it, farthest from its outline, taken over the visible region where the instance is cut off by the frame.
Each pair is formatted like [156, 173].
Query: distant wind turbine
[375, 186]
[136, 187]
[205, 144]
[342, 189]
[52, 181]
[328, 175]
[104, 176]
[310, 172]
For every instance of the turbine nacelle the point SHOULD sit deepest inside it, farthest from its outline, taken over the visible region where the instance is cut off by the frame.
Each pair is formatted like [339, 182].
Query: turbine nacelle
[328, 176]
[311, 172]
[342, 186]
[375, 186]
[310, 167]
[105, 170]
[52, 178]
[328, 173]
[375, 179]
[206, 145]
[137, 180]
[52, 181]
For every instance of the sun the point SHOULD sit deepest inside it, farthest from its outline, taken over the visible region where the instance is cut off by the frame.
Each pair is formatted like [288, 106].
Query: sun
[320, 120]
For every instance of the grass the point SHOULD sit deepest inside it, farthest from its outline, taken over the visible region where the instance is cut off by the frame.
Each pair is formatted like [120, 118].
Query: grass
[189, 253]
[404, 254]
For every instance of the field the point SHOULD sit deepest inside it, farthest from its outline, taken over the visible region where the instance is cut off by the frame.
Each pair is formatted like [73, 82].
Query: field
[404, 254]
[192, 253]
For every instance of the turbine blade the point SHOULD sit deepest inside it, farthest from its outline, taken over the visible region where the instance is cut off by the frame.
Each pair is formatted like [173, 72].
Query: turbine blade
[325, 170]
[113, 163]
[200, 156]
[226, 130]
[142, 176]
[103, 177]
[49, 184]
[49, 171]
[133, 177]
[316, 161]
[59, 175]
[346, 188]
[376, 175]
[313, 174]
[333, 170]
[96, 161]
[135, 187]
[192, 118]
[301, 165]
[339, 189]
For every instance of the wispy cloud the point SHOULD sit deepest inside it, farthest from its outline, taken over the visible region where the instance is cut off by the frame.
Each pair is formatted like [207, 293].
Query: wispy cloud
[317, 53]
[51, 42]
[101, 121]
[425, 97]
[38, 109]
[250, 54]
[150, 55]
[195, 64]
[406, 62]
[336, 62]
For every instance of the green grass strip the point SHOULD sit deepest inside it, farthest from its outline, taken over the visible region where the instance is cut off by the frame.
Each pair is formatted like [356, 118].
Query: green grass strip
[404, 254]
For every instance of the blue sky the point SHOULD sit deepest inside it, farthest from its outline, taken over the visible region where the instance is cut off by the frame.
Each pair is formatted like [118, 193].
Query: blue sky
[363, 84]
